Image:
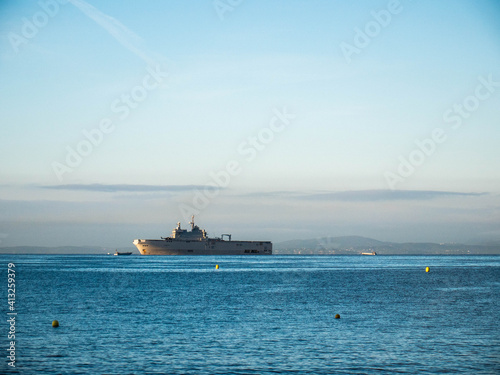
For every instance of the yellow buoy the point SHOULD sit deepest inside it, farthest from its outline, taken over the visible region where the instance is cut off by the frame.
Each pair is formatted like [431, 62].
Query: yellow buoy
[216, 266]
[55, 324]
[427, 269]
[337, 316]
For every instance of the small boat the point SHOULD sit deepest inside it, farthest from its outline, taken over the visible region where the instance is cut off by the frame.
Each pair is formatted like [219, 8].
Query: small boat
[372, 253]
[118, 253]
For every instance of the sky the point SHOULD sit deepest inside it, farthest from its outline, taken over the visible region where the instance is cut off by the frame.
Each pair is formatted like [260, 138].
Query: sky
[270, 120]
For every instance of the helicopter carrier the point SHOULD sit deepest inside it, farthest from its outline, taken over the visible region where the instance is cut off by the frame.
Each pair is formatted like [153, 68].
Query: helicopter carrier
[197, 242]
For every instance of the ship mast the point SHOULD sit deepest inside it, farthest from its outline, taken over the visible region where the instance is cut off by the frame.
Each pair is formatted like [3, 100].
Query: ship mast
[192, 222]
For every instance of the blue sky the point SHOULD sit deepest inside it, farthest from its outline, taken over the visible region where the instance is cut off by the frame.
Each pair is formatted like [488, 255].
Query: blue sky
[269, 120]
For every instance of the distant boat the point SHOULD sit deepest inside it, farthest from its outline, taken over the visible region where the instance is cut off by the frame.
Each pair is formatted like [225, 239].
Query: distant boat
[118, 253]
[372, 253]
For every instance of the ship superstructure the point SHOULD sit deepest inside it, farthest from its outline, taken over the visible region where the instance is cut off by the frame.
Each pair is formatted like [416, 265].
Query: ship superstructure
[197, 242]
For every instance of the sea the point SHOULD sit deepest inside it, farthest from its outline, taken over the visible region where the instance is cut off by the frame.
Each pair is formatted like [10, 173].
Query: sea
[252, 315]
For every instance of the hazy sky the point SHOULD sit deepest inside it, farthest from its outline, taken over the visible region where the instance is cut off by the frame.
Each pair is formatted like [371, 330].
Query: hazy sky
[269, 120]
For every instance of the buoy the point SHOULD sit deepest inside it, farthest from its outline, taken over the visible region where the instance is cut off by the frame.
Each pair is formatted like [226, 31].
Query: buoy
[55, 324]
[337, 316]
[216, 266]
[427, 269]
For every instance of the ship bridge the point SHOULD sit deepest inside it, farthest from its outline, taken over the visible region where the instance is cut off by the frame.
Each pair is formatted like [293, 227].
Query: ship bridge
[195, 234]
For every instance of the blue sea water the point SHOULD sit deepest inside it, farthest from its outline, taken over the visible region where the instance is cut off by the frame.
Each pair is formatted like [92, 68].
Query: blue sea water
[254, 315]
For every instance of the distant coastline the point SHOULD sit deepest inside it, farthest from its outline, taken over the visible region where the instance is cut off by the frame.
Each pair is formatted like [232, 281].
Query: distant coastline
[344, 245]
[76, 250]
[351, 245]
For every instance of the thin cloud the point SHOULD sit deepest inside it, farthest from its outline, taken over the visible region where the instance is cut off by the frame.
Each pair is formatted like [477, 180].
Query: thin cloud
[115, 188]
[272, 194]
[365, 195]
[117, 30]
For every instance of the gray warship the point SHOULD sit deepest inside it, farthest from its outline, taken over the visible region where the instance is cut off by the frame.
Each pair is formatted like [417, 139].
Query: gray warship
[197, 242]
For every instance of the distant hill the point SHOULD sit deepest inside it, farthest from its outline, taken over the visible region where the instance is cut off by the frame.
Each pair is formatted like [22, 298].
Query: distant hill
[60, 250]
[357, 245]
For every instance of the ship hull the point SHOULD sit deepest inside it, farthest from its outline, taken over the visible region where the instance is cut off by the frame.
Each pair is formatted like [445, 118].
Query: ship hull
[202, 247]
